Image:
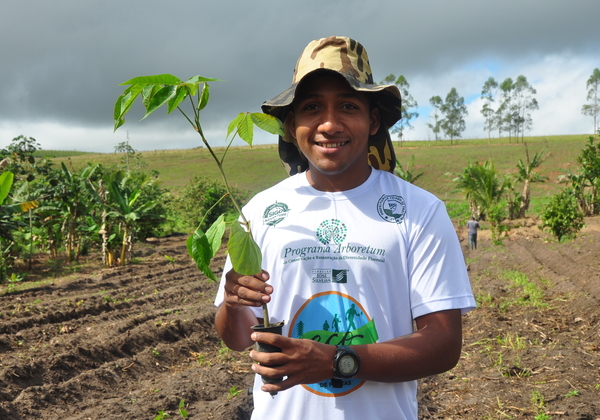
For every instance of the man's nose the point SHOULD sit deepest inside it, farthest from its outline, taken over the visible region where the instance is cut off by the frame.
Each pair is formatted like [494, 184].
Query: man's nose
[331, 122]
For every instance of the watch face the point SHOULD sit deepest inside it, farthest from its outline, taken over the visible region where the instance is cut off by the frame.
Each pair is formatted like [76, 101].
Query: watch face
[347, 365]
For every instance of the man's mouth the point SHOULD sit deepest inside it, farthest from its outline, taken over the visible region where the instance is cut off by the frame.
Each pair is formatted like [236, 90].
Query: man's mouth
[332, 145]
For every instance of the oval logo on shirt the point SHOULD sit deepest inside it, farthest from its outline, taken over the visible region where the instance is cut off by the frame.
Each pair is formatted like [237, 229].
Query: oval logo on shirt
[337, 319]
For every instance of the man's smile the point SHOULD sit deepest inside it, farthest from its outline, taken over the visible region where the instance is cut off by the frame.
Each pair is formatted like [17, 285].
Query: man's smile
[332, 145]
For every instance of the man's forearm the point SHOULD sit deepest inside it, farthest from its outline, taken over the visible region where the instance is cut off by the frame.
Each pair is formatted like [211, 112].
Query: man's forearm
[234, 326]
[430, 350]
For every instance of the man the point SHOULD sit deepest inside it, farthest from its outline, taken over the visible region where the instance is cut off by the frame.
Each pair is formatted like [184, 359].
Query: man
[345, 241]
[472, 226]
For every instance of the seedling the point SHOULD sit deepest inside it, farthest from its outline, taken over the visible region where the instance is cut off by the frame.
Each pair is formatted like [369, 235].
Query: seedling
[182, 411]
[162, 415]
[168, 90]
[573, 393]
[234, 391]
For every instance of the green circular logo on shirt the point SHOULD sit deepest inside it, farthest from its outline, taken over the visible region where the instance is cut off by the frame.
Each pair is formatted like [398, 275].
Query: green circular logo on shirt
[275, 213]
[331, 231]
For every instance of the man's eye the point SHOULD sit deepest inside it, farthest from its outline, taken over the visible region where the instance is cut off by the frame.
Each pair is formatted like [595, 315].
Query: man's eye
[349, 106]
[310, 107]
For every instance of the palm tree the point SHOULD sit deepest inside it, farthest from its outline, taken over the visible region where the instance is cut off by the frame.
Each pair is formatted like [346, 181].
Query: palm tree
[527, 175]
[482, 186]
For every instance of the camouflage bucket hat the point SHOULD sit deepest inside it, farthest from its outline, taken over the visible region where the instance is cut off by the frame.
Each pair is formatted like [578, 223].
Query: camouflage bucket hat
[348, 58]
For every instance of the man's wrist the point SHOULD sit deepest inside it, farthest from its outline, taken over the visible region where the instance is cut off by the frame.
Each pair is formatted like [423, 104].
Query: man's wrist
[346, 364]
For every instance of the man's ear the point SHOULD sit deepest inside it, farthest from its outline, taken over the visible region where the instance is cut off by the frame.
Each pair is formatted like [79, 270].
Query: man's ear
[291, 120]
[375, 121]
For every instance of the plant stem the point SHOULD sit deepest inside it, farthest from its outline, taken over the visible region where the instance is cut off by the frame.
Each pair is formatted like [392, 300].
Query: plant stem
[198, 128]
[266, 322]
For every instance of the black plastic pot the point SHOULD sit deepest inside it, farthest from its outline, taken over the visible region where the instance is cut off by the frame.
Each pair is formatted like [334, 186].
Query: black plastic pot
[268, 348]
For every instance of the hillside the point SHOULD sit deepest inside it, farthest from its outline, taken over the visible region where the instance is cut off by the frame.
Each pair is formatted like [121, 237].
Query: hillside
[254, 169]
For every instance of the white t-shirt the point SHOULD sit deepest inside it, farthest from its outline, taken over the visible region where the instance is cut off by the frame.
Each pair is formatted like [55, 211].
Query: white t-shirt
[353, 267]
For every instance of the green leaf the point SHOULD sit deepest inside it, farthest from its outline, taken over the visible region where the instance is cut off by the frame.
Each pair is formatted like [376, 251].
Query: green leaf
[148, 92]
[243, 126]
[161, 79]
[6, 181]
[200, 79]
[123, 104]
[203, 100]
[200, 250]
[245, 129]
[191, 88]
[118, 114]
[234, 123]
[180, 95]
[268, 123]
[215, 234]
[160, 98]
[244, 252]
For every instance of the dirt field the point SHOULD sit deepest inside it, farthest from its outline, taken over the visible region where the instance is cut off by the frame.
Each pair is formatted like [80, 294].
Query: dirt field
[128, 343]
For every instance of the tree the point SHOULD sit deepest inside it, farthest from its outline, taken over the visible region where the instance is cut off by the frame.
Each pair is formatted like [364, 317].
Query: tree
[527, 175]
[19, 158]
[454, 110]
[130, 155]
[592, 108]
[482, 186]
[561, 215]
[586, 183]
[524, 103]
[436, 102]
[408, 103]
[505, 111]
[488, 94]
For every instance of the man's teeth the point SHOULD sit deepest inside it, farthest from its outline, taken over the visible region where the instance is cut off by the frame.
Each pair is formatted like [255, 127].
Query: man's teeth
[332, 145]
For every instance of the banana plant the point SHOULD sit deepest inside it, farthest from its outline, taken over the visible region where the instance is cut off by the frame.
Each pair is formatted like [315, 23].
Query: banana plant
[7, 223]
[171, 92]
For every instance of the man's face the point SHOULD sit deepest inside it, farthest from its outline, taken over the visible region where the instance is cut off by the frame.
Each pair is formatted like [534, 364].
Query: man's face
[332, 123]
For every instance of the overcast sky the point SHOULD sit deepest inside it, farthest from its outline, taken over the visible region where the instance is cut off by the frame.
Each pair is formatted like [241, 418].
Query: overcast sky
[61, 62]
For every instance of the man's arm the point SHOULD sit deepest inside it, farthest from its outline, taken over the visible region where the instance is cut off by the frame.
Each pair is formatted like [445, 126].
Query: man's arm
[234, 317]
[434, 348]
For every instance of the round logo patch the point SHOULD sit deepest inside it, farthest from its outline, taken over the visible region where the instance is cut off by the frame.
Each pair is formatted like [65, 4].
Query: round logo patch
[331, 231]
[334, 318]
[391, 208]
[275, 213]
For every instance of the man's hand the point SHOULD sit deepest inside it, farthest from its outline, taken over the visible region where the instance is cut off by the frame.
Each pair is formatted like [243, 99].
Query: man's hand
[243, 291]
[234, 319]
[301, 361]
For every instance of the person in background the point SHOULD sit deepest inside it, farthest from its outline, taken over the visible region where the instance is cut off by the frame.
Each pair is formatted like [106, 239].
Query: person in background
[343, 239]
[472, 226]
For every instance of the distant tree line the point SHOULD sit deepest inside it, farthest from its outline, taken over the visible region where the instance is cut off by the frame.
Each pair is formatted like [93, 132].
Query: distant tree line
[507, 108]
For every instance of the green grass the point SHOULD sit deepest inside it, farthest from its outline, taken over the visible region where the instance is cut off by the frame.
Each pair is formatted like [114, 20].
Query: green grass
[58, 153]
[254, 169]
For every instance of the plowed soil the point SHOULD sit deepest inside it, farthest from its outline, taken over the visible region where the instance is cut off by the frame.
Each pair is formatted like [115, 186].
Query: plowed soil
[130, 342]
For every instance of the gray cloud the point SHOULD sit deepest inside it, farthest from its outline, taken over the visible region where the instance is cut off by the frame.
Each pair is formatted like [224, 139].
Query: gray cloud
[61, 62]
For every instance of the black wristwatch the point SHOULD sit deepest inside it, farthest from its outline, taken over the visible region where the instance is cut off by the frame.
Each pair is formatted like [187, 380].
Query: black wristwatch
[345, 365]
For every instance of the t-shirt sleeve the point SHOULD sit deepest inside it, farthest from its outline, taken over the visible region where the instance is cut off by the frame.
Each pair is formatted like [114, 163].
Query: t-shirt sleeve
[438, 274]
